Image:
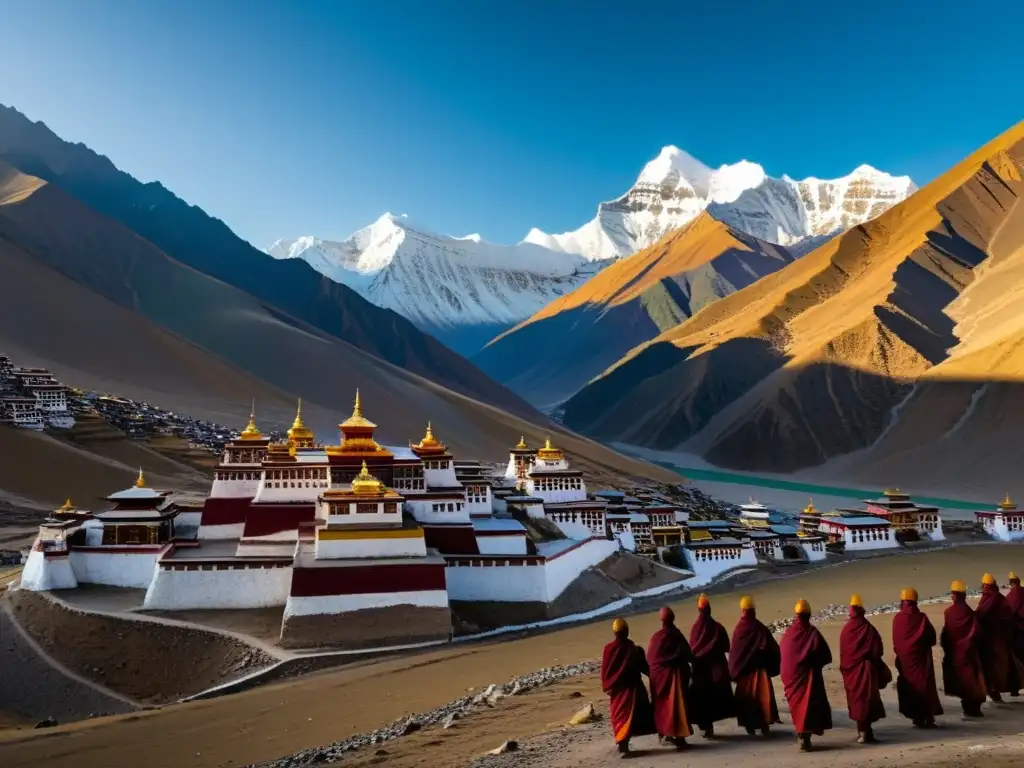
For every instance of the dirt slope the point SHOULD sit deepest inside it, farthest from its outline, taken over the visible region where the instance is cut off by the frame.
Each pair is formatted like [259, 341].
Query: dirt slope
[553, 354]
[811, 362]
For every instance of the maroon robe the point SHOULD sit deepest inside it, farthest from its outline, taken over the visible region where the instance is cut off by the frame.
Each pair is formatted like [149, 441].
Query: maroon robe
[962, 674]
[996, 653]
[753, 662]
[864, 671]
[804, 654]
[668, 655]
[710, 697]
[622, 665]
[1015, 613]
[913, 638]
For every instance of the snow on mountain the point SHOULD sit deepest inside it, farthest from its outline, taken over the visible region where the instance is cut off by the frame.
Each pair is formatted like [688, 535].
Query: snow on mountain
[674, 187]
[440, 282]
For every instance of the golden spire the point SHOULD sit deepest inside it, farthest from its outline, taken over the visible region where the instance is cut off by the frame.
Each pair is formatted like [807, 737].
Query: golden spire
[67, 506]
[357, 419]
[140, 481]
[365, 484]
[1007, 503]
[810, 509]
[300, 435]
[521, 445]
[549, 452]
[429, 442]
[251, 432]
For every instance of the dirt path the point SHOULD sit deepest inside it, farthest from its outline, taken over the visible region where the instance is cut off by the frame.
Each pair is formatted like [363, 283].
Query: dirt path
[284, 718]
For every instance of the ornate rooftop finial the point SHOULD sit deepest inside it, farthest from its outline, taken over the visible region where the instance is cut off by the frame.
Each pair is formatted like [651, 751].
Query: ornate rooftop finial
[365, 484]
[810, 509]
[67, 506]
[1007, 503]
[549, 452]
[357, 409]
[299, 434]
[357, 419]
[521, 445]
[251, 432]
[140, 481]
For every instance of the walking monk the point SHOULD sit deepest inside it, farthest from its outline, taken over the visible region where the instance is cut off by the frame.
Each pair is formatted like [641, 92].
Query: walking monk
[754, 660]
[1015, 610]
[668, 655]
[996, 652]
[864, 671]
[710, 686]
[913, 638]
[962, 674]
[804, 654]
[622, 665]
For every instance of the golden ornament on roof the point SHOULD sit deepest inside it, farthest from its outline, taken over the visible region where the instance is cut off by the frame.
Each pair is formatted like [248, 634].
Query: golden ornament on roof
[810, 508]
[251, 432]
[521, 445]
[1007, 503]
[140, 481]
[365, 484]
[66, 507]
[429, 442]
[357, 419]
[549, 452]
[299, 432]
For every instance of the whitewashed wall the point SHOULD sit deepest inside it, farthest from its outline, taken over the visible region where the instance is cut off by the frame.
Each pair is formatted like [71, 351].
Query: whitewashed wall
[236, 489]
[706, 570]
[561, 571]
[41, 573]
[574, 530]
[513, 584]
[234, 588]
[335, 549]
[310, 606]
[231, 531]
[424, 512]
[811, 553]
[116, 569]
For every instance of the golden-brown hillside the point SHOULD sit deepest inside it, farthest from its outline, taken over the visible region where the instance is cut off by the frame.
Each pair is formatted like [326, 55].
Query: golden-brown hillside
[554, 353]
[817, 360]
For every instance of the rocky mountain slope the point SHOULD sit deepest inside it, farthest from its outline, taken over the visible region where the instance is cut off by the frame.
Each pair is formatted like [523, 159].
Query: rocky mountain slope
[188, 235]
[464, 291]
[559, 349]
[105, 309]
[674, 187]
[897, 346]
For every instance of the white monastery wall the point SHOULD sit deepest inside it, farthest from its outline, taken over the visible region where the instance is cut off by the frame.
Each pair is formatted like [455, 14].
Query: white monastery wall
[424, 512]
[232, 531]
[116, 569]
[336, 549]
[562, 570]
[236, 489]
[814, 551]
[309, 606]
[574, 529]
[511, 584]
[554, 497]
[707, 569]
[42, 573]
[186, 524]
[237, 587]
[864, 542]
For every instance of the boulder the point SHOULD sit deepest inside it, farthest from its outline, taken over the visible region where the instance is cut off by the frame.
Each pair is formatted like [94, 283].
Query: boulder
[510, 745]
[585, 715]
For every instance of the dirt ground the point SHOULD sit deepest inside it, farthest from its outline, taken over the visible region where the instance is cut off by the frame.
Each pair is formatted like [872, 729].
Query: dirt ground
[279, 719]
[147, 662]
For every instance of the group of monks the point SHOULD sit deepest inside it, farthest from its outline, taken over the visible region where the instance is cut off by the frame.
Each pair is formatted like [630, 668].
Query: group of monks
[692, 681]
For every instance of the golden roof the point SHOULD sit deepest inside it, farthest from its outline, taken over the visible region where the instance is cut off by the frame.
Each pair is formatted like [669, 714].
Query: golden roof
[429, 442]
[1007, 503]
[140, 481]
[365, 484]
[521, 445]
[549, 452]
[251, 432]
[357, 419]
[810, 508]
[66, 507]
[299, 431]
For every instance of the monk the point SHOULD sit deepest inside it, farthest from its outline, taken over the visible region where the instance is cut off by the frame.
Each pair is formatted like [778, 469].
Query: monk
[864, 671]
[913, 638]
[710, 686]
[996, 652]
[754, 660]
[668, 655]
[804, 654]
[962, 674]
[1015, 612]
[622, 665]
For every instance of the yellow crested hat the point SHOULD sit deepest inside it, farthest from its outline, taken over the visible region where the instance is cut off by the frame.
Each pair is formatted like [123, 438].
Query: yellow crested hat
[909, 593]
[802, 606]
[988, 578]
[856, 602]
[746, 603]
[703, 601]
[957, 586]
[1013, 576]
[620, 625]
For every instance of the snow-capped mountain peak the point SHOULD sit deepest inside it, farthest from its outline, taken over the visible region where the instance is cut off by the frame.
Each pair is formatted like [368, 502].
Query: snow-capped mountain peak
[674, 187]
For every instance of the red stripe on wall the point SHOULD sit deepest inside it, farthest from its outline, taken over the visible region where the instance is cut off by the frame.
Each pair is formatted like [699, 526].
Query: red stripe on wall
[451, 539]
[224, 511]
[264, 519]
[357, 580]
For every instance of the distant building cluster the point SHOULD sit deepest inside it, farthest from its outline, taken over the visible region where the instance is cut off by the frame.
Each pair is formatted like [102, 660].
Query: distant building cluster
[32, 398]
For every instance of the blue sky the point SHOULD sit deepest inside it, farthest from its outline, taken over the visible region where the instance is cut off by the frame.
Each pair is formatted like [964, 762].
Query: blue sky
[316, 117]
